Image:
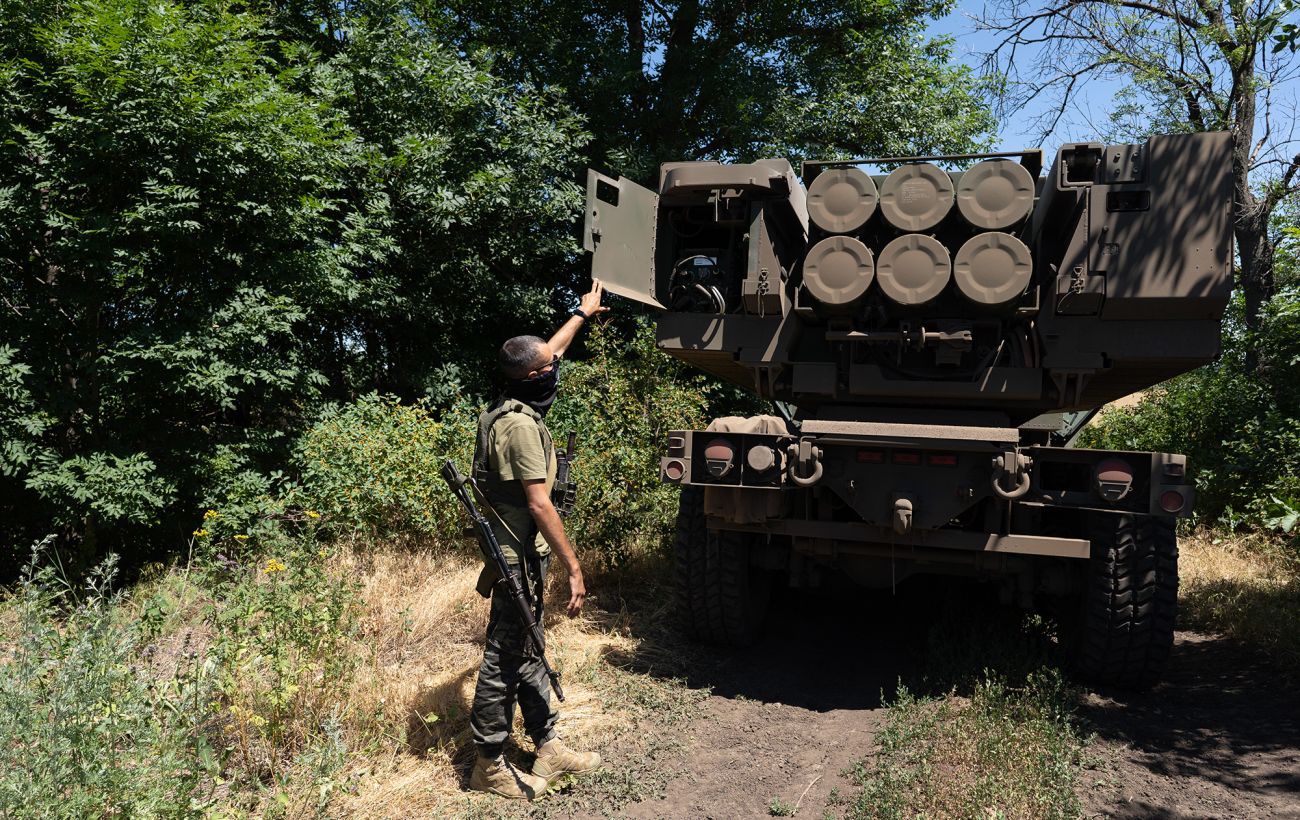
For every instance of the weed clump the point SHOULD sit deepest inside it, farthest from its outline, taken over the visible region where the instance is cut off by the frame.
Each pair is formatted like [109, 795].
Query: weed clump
[86, 728]
[987, 728]
[1004, 751]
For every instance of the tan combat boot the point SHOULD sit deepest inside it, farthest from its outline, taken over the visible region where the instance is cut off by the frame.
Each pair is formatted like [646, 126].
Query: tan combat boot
[555, 759]
[498, 776]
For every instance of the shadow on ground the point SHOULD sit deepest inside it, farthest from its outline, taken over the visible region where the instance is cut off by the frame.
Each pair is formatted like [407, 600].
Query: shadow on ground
[844, 647]
[1219, 737]
[1220, 722]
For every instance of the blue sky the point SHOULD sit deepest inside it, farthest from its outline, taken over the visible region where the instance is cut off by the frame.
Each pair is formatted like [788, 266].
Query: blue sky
[1084, 120]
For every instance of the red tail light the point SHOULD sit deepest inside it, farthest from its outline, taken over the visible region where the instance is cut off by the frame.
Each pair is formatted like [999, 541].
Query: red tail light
[1172, 502]
[871, 457]
[904, 457]
[941, 460]
[719, 457]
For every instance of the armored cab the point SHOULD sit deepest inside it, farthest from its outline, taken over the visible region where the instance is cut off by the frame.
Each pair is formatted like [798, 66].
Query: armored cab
[927, 327]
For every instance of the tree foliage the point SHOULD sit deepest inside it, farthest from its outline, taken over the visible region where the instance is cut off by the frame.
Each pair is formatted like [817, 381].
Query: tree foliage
[724, 79]
[216, 217]
[204, 230]
[1237, 428]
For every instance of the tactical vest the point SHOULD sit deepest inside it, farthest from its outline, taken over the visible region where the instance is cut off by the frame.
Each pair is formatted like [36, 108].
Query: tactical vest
[485, 472]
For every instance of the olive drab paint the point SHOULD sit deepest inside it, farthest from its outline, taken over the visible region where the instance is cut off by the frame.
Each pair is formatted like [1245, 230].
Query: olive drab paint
[933, 332]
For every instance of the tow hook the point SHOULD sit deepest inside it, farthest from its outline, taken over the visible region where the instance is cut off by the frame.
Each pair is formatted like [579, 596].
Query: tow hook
[805, 463]
[1011, 474]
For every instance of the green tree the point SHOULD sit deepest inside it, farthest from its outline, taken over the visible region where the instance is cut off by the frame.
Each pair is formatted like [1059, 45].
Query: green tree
[725, 79]
[205, 229]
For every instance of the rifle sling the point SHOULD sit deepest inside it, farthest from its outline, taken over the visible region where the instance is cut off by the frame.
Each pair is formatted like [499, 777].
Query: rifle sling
[523, 558]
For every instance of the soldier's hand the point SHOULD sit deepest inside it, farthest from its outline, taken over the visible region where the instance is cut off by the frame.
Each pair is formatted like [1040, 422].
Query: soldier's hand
[577, 594]
[590, 302]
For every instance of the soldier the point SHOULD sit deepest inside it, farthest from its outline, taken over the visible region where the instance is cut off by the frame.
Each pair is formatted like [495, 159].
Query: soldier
[514, 463]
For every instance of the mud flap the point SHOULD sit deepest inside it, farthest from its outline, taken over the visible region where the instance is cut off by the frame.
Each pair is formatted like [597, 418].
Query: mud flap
[619, 230]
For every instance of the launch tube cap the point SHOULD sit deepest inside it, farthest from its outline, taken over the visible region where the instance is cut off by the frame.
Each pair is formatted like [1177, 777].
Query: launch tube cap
[841, 200]
[838, 270]
[913, 269]
[992, 268]
[916, 197]
[995, 194]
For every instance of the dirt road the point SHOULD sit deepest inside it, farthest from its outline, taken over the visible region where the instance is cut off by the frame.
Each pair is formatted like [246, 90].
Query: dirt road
[787, 717]
[1218, 738]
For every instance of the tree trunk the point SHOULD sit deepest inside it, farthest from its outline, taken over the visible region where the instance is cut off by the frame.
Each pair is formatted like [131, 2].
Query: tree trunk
[1256, 274]
[1251, 215]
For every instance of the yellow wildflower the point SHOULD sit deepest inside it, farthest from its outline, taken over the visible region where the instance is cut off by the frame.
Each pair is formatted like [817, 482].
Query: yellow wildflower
[241, 537]
[273, 566]
[200, 533]
[210, 515]
[313, 514]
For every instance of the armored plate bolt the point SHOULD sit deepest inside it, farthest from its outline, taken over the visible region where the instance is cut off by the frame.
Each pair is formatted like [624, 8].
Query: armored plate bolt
[902, 515]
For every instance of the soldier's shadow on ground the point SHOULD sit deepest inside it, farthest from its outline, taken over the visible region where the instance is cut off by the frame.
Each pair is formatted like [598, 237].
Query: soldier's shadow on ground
[424, 734]
[837, 647]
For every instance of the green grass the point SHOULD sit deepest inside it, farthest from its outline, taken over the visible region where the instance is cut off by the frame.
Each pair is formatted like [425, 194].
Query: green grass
[986, 728]
[1005, 751]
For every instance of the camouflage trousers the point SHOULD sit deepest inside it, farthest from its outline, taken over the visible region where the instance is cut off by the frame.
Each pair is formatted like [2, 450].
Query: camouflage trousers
[510, 673]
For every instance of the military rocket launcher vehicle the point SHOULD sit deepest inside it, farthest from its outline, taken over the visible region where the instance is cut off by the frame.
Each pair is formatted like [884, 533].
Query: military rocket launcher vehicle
[932, 331]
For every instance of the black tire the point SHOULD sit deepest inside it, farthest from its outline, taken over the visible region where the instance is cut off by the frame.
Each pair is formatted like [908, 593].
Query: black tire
[720, 597]
[1130, 600]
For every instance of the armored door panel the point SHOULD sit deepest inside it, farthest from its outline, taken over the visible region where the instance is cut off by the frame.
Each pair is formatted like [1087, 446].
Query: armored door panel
[1164, 243]
[619, 230]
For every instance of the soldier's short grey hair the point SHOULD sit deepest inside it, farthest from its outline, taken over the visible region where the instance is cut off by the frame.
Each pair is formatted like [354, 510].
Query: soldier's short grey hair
[519, 356]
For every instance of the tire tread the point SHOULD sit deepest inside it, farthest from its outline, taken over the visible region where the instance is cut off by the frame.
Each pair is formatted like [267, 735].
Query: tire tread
[1131, 601]
[713, 595]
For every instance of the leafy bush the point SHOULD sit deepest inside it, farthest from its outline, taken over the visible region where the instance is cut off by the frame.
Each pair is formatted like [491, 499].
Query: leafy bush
[86, 729]
[281, 627]
[372, 468]
[216, 217]
[1237, 424]
[622, 402]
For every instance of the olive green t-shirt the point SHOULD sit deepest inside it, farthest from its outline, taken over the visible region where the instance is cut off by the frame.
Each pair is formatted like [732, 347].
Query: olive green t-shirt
[516, 454]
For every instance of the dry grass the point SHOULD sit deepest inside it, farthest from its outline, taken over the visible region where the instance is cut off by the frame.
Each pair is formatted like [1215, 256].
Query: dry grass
[422, 628]
[1245, 587]
[390, 734]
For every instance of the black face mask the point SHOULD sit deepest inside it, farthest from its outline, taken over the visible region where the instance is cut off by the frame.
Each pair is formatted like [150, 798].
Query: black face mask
[539, 391]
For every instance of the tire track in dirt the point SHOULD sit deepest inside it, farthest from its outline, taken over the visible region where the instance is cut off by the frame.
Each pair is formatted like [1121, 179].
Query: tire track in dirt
[787, 715]
[1219, 737]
